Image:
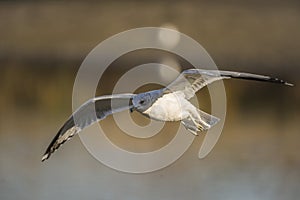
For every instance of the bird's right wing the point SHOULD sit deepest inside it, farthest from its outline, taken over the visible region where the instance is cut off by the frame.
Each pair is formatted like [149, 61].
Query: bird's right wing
[90, 112]
[192, 80]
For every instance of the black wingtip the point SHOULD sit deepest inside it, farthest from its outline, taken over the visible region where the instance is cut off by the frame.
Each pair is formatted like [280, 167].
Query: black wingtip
[277, 80]
[254, 77]
[289, 84]
[45, 156]
[53, 145]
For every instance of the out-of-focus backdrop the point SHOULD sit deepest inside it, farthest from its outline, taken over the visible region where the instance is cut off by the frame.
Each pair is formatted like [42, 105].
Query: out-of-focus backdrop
[42, 44]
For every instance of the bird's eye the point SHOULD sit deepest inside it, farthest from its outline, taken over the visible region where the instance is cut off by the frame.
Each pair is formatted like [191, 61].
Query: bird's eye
[142, 102]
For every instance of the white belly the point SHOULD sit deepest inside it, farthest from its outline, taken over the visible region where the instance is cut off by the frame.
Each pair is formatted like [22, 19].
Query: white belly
[170, 107]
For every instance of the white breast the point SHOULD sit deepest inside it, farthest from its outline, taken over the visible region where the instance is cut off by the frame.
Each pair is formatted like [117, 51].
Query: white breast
[169, 107]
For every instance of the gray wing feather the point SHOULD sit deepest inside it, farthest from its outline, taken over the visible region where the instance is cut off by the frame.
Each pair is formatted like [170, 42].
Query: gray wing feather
[90, 112]
[192, 80]
[98, 108]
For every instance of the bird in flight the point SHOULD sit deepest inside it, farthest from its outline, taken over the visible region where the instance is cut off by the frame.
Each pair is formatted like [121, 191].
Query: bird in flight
[167, 104]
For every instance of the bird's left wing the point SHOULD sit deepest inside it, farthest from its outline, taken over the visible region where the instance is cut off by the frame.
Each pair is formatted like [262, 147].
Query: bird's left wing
[192, 80]
[90, 112]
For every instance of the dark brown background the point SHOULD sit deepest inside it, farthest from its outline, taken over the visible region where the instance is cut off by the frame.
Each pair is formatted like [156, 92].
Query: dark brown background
[42, 44]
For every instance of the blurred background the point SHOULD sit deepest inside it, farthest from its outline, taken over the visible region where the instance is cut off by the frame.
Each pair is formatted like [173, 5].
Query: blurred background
[43, 43]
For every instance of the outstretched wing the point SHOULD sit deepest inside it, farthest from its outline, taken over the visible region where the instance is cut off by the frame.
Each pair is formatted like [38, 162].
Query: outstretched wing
[90, 112]
[192, 80]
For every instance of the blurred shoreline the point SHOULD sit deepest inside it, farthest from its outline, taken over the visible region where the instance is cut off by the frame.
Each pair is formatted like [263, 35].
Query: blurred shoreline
[255, 36]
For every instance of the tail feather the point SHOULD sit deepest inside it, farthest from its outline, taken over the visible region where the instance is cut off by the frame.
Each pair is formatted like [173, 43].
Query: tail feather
[203, 123]
[208, 119]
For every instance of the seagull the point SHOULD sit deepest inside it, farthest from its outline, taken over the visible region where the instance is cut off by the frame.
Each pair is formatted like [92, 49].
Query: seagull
[167, 104]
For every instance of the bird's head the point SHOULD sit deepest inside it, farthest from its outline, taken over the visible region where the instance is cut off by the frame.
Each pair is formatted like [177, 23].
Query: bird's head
[143, 101]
